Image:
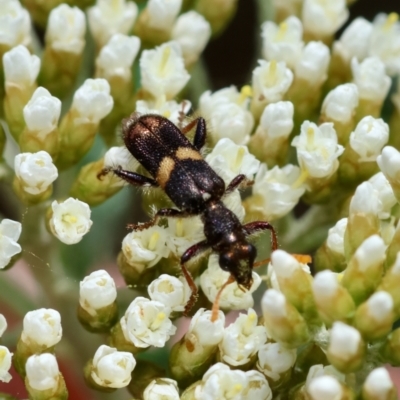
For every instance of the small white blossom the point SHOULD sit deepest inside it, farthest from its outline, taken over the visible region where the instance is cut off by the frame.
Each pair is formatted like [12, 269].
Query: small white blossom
[117, 56]
[146, 247]
[370, 253]
[21, 68]
[325, 286]
[226, 112]
[168, 109]
[42, 327]
[365, 200]
[318, 149]
[207, 332]
[10, 231]
[313, 63]
[97, 291]
[284, 264]
[242, 339]
[161, 14]
[270, 81]
[324, 18]
[385, 41]
[369, 137]
[146, 323]
[35, 171]
[66, 29]
[385, 194]
[42, 112]
[274, 360]
[15, 24]
[335, 240]
[283, 42]
[274, 303]
[108, 17]
[112, 368]
[5, 364]
[192, 31]
[344, 341]
[378, 384]
[70, 220]
[230, 160]
[341, 102]
[174, 293]
[163, 70]
[380, 306]
[3, 321]
[370, 77]
[221, 383]
[92, 101]
[258, 387]
[42, 372]
[120, 156]
[232, 297]
[328, 370]
[354, 41]
[277, 119]
[325, 387]
[389, 163]
[276, 190]
[161, 389]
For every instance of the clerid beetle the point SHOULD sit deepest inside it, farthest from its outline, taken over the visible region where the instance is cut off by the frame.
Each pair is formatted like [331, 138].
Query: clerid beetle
[177, 166]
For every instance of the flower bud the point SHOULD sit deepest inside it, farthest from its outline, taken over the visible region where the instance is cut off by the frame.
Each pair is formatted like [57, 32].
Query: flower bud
[389, 164]
[325, 387]
[10, 231]
[385, 194]
[70, 220]
[258, 387]
[379, 386]
[161, 388]
[390, 282]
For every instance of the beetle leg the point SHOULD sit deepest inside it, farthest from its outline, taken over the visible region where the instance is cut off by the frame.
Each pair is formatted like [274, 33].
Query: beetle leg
[259, 226]
[236, 182]
[200, 134]
[131, 177]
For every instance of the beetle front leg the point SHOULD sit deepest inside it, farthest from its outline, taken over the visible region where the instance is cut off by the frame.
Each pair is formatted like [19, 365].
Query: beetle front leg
[200, 134]
[128, 176]
[259, 226]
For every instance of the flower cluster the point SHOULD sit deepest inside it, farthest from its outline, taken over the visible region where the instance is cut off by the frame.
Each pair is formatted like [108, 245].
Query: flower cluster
[308, 138]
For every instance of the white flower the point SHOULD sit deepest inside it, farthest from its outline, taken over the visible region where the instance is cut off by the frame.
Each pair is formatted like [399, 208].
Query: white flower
[192, 31]
[324, 18]
[42, 372]
[10, 231]
[221, 383]
[274, 360]
[97, 291]
[325, 387]
[70, 220]
[146, 247]
[227, 115]
[161, 389]
[92, 101]
[389, 163]
[232, 297]
[276, 190]
[354, 41]
[120, 157]
[369, 137]
[258, 387]
[385, 194]
[163, 70]
[146, 323]
[35, 171]
[183, 233]
[108, 17]
[344, 341]
[117, 56]
[370, 77]
[313, 63]
[285, 264]
[5, 364]
[335, 240]
[161, 14]
[365, 200]
[380, 306]
[3, 321]
[112, 368]
[207, 332]
[328, 370]
[42, 327]
[270, 81]
[370, 253]
[341, 102]
[325, 286]
[273, 304]
[174, 293]
[21, 68]
[283, 42]
[66, 29]
[42, 112]
[378, 384]
[168, 109]
[385, 41]
[277, 119]
[15, 24]
[230, 160]
[242, 339]
[318, 149]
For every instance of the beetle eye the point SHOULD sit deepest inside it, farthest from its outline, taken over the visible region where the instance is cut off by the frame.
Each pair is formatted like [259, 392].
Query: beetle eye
[226, 262]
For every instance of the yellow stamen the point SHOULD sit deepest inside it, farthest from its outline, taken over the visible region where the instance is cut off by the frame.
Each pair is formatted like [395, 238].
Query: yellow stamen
[239, 156]
[245, 93]
[153, 240]
[179, 227]
[164, 60]
[280, 35]
[3, 354]
[310, 138]
[301, 179]
[390, 21]
[70, 219]
[40, 163]
[249, 324]
[158, 321]
[272, 74]
[237, 388]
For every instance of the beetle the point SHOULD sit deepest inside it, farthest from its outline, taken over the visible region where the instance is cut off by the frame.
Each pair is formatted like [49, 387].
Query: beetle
[176, 165]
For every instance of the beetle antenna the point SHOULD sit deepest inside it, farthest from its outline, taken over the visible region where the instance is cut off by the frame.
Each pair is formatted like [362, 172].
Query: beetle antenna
[215, 307]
